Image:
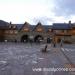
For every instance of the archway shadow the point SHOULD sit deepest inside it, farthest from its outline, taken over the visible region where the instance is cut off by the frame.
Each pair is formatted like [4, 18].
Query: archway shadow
[38, 38]
[25, 38]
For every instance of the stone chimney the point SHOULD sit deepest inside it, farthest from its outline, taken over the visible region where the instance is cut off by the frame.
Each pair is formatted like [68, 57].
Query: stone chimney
[10, 26]
[10, 22]
[69, 22]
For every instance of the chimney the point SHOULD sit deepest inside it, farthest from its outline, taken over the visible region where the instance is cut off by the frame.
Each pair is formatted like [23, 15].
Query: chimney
[10, 22]
[69, 22]
[10, 26]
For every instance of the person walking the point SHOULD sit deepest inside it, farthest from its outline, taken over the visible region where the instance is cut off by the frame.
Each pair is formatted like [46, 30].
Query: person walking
[61, 42]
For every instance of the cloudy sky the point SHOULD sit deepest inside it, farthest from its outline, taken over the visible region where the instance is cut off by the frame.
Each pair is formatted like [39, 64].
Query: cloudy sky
[33, 11]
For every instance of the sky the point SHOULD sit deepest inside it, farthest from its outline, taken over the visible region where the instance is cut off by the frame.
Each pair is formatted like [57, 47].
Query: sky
[34, 11]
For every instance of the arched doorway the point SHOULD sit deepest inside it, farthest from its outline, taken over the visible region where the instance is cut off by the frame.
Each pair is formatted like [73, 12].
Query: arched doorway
[24, 38]
[58, 40]
[38, 39]
[49, 40]
[1, 38]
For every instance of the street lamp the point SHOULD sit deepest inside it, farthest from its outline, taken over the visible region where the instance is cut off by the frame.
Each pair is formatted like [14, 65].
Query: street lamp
[31, 39]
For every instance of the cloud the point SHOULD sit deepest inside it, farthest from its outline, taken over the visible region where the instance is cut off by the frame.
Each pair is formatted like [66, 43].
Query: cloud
[44, 20]
[64, 7]
[33, 11]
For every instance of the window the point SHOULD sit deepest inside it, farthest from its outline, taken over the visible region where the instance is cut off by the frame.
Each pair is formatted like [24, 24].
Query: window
[15, 32]
[62, 30]
[39, 29]
[10, 26]
[49, 30]
[65, 31]
[26, 29]
[6, 31]
[11, 31]
[14, 26]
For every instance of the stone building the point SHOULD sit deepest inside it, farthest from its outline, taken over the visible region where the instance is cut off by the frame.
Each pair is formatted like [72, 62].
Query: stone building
[37, 33]
[25, 32]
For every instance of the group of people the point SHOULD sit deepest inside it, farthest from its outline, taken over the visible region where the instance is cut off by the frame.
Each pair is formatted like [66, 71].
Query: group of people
[54, 45]
[61, 43]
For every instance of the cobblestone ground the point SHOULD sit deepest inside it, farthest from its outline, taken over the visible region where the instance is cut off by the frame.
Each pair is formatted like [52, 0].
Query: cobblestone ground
[27, 59]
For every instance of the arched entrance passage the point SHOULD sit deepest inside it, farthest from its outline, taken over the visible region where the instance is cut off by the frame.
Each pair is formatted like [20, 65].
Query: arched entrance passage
[1, 38]
[49, 40]
[38, 38]
[24, 38]
[58, 40]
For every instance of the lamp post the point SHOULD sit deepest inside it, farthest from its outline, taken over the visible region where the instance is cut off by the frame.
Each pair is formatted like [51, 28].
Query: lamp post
[31, 40]
[54, 41]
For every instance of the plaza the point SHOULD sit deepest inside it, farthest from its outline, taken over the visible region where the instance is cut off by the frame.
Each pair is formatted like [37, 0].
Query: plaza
[27, 59]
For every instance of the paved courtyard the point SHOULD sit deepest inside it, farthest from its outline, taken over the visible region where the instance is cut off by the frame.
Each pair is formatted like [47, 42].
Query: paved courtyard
[27, 59]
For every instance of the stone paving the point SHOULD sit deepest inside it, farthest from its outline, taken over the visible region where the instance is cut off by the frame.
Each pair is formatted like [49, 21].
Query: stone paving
[27, 59]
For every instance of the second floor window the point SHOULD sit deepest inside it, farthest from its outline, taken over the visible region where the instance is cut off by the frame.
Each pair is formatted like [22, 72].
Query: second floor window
[11, 31]
[26, 29]
[39, 29]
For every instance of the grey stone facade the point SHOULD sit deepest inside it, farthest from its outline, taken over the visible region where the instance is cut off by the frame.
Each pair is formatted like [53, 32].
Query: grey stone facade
[36, 33]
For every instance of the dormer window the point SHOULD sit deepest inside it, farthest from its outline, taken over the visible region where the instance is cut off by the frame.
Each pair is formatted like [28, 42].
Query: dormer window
[49, 30]
[11, 31]
[15, 32]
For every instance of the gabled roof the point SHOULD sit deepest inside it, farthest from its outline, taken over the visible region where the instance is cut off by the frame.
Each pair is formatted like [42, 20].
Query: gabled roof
[59, 26]
[32, 27]
[3, 24]
[56, 26]
[19, 26]
[26, 24]
[38, 24]
[11, 27]
[73, 25]
[47, 27]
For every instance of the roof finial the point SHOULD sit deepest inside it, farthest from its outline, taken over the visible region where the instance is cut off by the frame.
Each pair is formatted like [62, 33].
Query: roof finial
[39, 23]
